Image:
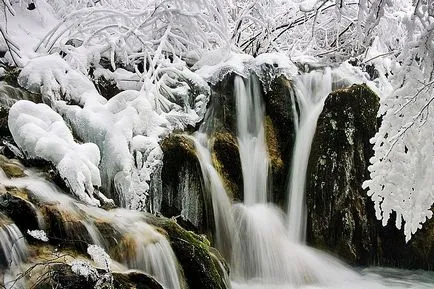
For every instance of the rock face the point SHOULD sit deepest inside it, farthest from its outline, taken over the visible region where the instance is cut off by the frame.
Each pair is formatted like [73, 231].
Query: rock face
[280, 107]
[340, 214]
[183, 193]
[341, 217]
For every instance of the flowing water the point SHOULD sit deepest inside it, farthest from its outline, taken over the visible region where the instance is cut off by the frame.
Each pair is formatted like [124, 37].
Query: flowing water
[143, 247]
[263, 244]
[267, 248]
[311, 90]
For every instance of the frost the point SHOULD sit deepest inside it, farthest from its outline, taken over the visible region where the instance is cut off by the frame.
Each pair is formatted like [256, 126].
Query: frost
[99, 256]
[41, 133]
[83, 268]
[38, 234]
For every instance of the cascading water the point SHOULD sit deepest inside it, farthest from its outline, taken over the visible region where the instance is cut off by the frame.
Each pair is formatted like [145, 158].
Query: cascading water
[146, 249]
[251, 138]
[221, 204]
[311, 91]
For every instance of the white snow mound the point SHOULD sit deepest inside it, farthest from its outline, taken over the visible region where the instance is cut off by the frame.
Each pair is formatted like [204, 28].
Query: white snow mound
[41, 133]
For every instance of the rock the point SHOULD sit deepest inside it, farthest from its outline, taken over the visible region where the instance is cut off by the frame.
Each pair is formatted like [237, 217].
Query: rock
[226, 160]
[14, 203]
[340, 214]
[203, 266]
[280, 133]
[183, 193]
[341, 217]
[65, 228]
[11, 168]
[62, 277]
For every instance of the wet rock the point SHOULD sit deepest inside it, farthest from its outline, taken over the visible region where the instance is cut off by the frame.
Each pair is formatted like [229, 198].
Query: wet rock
[203, 266]
[280, 116]
[65, 228]
[11, 168]
[226, 159]
[183, 193]
[340, 214]
[15, 204]
[62, 277]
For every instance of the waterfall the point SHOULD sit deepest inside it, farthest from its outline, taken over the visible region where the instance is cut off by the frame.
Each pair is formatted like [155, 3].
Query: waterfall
[251, 138]
[311, 90]
[142, 246]
[221, 205]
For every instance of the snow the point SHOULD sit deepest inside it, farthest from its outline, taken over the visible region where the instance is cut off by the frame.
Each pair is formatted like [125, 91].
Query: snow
[38, 234]
[83, 268]
[41, 133]
[99, 256]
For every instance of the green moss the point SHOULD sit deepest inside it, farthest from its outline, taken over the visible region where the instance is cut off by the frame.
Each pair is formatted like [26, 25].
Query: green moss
[226, 160]
[198, 260]
[10, 168]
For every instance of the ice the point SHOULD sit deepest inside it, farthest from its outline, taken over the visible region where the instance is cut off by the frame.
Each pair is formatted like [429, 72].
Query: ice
[41, 133]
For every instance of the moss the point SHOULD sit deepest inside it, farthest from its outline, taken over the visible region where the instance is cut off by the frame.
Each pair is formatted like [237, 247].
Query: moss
[226, 160]
[273, 145]
[340, 217]
[11, 168]
[197, 258]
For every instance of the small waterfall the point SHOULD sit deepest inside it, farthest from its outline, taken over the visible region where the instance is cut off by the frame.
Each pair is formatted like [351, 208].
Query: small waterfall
[221, 205]
[311, 90]
[13, 245]
[144, 249]
[251, 138]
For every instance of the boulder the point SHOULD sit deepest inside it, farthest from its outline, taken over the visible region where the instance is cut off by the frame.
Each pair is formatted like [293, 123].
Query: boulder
[203, 266]
[183, 193]
[340, 214]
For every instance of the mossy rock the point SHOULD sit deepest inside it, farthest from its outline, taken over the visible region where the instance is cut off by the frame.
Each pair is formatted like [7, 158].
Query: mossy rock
[226, 160]
[222, 113]
[183, 193]
[15, 205]
[65, 228]
[340, 214]
[280, 133]
[11, 168]
[202, 264]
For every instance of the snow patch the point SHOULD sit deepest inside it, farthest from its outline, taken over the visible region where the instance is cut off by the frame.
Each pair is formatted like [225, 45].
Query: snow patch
[41, 133]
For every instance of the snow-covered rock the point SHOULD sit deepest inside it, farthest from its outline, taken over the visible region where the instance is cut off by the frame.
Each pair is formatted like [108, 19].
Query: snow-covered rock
[41, 133]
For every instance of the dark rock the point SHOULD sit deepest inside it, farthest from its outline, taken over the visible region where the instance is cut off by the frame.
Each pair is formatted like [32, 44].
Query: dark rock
[65, 228]
[340, 214]
[61, 276]
[15, 205]
[106, 87]
[222, 113]
[203, 266]
[280, 133]
[183, 192]
[226, 159]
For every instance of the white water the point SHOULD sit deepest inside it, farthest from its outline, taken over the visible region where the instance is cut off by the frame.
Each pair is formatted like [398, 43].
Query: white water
[251, 139]
[151, 250]
[311, 91]
[266, 253]
[221, 205]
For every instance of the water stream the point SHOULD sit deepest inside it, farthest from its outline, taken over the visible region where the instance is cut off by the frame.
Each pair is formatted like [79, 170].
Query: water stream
[311, 90]
[266, 244]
